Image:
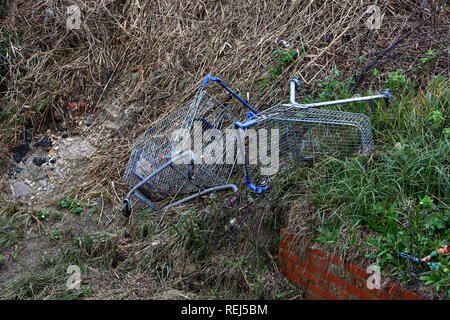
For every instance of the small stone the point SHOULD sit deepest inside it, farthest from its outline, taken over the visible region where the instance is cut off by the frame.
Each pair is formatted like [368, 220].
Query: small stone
[19, 170]
[39, 161]
[20, 189]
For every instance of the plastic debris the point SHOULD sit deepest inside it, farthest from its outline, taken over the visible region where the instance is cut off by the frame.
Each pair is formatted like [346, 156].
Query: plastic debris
[284, 43]
[20, 151]
[45, 142]
[39, 161]
[443, 251]
[412, 258]
[230, 202]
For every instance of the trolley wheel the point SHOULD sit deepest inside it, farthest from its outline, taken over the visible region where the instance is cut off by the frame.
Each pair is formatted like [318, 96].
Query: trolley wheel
[126, 209]
[191, 171]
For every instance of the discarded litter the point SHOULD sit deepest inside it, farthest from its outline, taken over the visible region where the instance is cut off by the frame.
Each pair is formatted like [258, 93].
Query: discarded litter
[20, 151]
[39, 161]
[45, 142]
[442, 251]
[162, 163]
[412, 258]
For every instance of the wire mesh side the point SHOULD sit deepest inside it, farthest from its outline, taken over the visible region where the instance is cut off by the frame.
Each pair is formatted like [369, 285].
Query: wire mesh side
[194, 126]
[305, 136]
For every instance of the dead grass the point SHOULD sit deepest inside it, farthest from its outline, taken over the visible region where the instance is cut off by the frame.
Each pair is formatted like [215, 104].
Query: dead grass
[149, 57]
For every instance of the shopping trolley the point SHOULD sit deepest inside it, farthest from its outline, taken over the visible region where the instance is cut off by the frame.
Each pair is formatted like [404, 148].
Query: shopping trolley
[305, 133]
[164, 162]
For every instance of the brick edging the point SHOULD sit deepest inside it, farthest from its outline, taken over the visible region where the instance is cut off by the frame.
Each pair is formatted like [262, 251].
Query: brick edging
[324, 276]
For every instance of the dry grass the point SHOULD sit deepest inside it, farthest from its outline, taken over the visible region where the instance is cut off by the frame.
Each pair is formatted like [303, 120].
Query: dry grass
[149, 56]
[153, 54]
[158, 51]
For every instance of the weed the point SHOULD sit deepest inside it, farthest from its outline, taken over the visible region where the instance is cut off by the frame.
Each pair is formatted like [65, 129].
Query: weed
[56, 235]
[396, 80]
[284, 59]
[401, 191]
[43, 215]
[437, 118]
[73, 206]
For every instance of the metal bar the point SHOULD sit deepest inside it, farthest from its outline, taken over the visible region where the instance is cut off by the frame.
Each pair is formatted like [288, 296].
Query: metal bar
[218, 188]
[146, 201]
[208, 78]
[335, 102]
[295, 83]
[140, 184]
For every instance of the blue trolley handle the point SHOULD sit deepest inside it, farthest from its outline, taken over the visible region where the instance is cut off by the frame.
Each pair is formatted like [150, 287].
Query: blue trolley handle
[239, 125]
[209, 78]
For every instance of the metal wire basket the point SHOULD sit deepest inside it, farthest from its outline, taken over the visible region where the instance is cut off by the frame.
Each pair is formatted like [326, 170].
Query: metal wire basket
[164, 162]
[305, 134]
[183, 152]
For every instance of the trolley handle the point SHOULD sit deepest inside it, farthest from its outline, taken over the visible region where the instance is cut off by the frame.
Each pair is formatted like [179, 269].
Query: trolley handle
[209, 78]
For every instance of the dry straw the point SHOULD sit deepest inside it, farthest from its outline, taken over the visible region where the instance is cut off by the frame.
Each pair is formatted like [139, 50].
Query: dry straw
[154, 53]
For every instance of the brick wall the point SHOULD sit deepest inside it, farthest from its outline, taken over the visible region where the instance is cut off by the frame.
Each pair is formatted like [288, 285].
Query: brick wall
[325, 276]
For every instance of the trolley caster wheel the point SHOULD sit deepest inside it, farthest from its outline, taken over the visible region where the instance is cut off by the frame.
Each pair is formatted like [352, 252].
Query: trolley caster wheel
[191, 171]
[126, 209]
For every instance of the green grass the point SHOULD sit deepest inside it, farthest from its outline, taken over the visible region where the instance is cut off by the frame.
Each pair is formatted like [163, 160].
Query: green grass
[400, 191]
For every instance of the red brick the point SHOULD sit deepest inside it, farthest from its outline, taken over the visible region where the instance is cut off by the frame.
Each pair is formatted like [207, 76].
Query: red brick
[290, 267]
[302, 274]
[289, 238]
[345, 295]
[407, 295]
[358, 281]
[336, 260]
[314, 288]
[328, 295]
[293, 258]
[322, 263]
[335, 279]
[284, 254]
[333, 288]
[392, 289]
[281, 263]
[309, 257]
[318, 252]
[415, 296]
[283, 244]
[291, 276]
[310, 267]
[311, 296]
[323, 283]
[297, 270]
[356, 270]
[358, 292]
[311, 277]
[382, 293]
